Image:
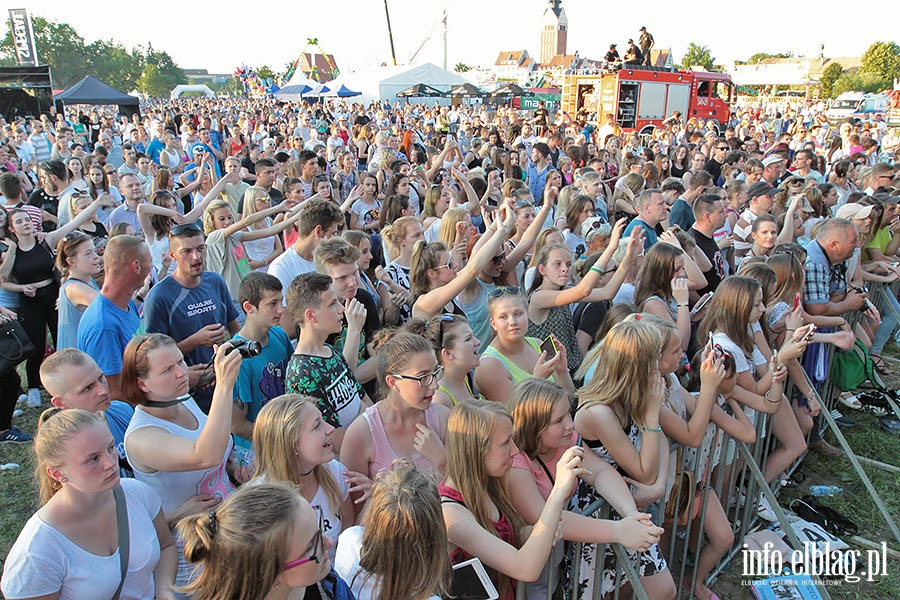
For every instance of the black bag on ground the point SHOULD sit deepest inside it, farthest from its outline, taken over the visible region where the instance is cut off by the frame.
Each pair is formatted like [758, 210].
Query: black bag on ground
[832, 521]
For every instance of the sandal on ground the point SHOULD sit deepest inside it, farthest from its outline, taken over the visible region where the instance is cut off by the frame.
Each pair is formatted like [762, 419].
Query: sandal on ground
[850, 401]
[879, 364]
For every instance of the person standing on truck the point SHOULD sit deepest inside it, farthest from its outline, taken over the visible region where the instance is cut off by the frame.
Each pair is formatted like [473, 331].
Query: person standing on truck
[646, 42]
[612, 55]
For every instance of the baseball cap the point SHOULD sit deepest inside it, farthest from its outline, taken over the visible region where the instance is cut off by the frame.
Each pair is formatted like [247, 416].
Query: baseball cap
[771, 160]
[760, 188]
[852, 210]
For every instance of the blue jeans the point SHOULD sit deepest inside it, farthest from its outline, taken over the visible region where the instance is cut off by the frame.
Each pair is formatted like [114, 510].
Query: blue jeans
[888, 323]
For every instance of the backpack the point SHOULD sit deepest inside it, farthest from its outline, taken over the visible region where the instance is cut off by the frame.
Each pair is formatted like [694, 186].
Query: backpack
[850, 368]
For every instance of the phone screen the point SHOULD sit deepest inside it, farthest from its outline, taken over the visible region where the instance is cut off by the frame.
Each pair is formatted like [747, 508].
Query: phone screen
[549, 347]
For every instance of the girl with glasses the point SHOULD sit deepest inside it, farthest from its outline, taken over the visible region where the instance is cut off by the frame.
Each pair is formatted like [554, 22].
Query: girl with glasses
[265, 541]
[293, 446]
[407, 422]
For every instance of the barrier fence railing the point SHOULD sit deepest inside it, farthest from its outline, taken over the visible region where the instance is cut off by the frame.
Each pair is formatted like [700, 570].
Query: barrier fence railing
[732, 473]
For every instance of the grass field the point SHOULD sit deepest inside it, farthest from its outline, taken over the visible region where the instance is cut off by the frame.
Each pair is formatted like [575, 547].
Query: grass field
[18, 494]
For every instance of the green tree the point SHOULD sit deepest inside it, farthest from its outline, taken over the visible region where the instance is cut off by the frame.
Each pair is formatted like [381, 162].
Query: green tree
[59, 45]
[761, 56]
[115, 65]
[160, 73]
[828, 78]
[265, 72]
[858, 82]
[882, 59]
[462, 67]
[699, 56]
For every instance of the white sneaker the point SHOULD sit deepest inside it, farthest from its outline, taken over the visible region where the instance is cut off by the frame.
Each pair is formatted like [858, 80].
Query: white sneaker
[764, 509]
[34, 398]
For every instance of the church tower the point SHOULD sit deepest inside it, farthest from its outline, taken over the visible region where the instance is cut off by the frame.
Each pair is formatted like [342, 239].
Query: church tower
[554, 25]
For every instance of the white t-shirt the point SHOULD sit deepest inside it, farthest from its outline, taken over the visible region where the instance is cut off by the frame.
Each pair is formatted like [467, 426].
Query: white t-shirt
[44, 561]
[331, 520]
[346, 563]
[289, 265]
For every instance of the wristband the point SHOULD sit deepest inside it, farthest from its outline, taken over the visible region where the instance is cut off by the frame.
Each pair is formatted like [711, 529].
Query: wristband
[599, 270]
[680, 305]
[656, 429]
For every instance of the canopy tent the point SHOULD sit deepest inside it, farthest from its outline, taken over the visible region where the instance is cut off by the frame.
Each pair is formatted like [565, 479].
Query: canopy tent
[292, 93]
[511, 89]
[342, 91]
[299, 79]
[420, 90]
[465, 90]
[318, 90]
[385, 83]
[92, 91]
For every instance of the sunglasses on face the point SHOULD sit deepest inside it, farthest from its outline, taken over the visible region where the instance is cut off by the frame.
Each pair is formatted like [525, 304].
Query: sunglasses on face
[317, 545]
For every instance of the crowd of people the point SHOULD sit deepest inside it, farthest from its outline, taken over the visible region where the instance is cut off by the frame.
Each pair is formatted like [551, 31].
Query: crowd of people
[335, 349]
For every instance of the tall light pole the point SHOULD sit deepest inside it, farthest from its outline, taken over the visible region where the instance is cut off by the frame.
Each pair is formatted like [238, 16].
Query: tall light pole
[387, 15]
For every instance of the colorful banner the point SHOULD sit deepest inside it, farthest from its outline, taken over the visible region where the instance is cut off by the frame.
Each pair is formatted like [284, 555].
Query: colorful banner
[23, 37]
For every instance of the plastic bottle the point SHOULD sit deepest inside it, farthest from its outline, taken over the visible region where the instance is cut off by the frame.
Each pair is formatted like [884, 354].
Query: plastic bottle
[824, 490]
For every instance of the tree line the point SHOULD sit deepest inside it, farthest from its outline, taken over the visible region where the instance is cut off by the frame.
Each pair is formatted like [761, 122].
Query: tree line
[71, 58]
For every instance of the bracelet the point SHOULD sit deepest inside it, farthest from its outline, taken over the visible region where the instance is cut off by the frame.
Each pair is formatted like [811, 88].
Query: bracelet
[599, 270]
[656, 429]
[770, 400]
[791, 330]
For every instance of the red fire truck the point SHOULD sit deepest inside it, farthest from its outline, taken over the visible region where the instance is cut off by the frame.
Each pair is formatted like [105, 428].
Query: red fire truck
[642, 98]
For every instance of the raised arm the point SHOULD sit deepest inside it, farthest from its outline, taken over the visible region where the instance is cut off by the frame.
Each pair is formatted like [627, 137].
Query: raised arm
[52, 238]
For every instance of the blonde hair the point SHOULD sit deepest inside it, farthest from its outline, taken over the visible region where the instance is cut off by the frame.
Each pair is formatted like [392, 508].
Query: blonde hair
[56, 428]
[469, 431]
[404, 541]
[209, 224]
[447, 231]
[243, 543]
[395, 233]
[276, 431]
[252, 193]
[627, 358]
[531, 404]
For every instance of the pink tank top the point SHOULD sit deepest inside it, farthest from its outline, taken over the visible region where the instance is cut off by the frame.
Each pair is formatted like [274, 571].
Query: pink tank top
[382, 452]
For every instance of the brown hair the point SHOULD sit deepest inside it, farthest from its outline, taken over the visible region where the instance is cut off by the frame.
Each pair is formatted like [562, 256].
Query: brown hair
[136, 364]
[56, 428]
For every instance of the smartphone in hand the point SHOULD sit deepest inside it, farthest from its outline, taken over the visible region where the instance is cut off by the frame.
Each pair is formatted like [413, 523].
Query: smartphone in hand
[549, 346]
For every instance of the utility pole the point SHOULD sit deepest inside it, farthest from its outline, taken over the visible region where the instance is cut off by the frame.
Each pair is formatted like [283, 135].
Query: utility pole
[387, 15]
[445, 38]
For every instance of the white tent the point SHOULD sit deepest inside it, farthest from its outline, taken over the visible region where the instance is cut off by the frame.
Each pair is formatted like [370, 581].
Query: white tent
[181, 89]
[383, 83]
[298, 78]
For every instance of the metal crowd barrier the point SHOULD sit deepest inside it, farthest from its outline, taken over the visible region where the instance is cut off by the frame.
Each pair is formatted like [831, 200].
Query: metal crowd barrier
[736, 475]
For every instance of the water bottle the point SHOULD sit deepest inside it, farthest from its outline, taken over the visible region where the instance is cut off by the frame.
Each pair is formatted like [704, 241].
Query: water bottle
[824, 490]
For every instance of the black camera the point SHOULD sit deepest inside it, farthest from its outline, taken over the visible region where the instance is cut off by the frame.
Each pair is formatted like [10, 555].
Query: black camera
[247, 348]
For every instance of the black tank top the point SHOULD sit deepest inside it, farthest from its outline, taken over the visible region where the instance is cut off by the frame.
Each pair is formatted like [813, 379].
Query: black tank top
[33, 266]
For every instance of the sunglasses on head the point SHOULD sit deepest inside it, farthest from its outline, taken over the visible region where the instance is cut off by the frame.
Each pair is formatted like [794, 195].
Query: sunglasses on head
[179, 229]
[512, 290]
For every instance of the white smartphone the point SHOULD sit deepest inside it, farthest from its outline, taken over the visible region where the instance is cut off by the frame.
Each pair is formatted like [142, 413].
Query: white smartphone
[471, 582]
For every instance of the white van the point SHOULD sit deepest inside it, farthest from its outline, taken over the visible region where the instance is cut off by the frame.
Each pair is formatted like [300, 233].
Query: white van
[856, 105]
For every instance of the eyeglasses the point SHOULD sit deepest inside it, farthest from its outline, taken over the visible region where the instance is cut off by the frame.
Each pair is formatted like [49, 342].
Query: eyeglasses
[424, 380]
[721, 147]
[512, 290]
[179, 229]
[317, 544]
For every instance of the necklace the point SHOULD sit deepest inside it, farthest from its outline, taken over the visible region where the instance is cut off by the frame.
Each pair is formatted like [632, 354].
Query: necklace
[167, 404]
